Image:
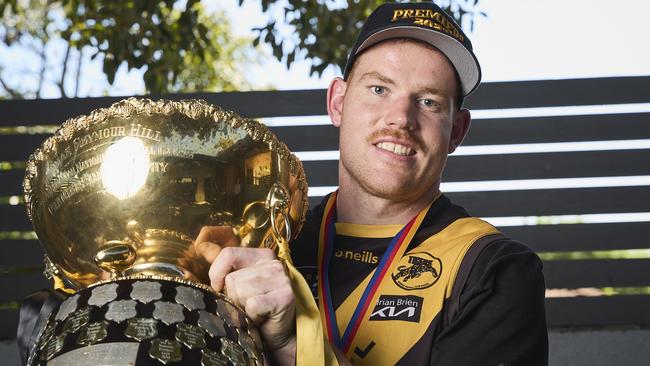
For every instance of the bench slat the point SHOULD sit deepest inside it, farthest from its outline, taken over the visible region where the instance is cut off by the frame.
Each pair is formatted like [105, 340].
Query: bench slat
[582, 237]
[14, 218]
[559, 129]
[19, 253]
[9, 321]
[16, 287]
[544, 93]
[597, 273]
[246, 104]
[598, 311]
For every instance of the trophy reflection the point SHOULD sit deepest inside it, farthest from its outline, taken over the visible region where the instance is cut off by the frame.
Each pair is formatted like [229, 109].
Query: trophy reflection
[118, 199]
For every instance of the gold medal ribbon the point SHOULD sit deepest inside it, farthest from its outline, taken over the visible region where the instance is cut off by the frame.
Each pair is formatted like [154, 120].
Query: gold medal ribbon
[312, 347]
[370, 295]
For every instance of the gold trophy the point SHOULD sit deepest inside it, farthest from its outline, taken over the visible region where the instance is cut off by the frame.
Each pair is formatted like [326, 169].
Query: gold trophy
[117, 199]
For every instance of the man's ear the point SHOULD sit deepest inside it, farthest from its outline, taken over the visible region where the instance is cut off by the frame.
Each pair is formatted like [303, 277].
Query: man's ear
[459, 130]
[335, 95]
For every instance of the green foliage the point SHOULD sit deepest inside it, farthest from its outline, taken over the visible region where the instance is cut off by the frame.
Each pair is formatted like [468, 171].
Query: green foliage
[222, 69]
[180, 46]
[323, 31]
[138, 33]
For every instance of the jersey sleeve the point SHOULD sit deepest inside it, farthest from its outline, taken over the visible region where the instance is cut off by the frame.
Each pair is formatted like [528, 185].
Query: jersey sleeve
[501, 319]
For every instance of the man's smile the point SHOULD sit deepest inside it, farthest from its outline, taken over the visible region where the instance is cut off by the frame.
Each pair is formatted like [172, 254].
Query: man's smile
[396, 148]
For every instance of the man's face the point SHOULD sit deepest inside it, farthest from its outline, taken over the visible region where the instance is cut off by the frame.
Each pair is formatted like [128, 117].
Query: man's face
[397, 121]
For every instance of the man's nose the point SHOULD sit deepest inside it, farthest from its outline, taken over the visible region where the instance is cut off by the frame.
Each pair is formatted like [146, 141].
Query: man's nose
[400, 113]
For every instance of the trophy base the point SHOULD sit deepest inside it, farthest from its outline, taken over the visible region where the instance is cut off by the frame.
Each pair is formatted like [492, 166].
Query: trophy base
[146, 320]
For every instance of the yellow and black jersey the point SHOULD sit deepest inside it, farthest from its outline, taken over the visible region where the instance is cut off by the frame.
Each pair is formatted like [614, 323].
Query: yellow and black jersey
[462, 293]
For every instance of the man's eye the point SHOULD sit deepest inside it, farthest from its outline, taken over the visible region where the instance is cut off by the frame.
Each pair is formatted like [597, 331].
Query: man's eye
[378, 89]
[428, 102]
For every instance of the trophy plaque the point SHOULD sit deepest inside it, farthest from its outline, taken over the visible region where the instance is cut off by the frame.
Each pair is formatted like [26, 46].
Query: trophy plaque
[117, 199]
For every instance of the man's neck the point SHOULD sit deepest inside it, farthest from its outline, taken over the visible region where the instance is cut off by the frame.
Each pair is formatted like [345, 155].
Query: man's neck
[359, 207]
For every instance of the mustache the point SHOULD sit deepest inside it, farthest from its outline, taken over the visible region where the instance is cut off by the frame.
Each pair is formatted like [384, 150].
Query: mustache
[400, 134]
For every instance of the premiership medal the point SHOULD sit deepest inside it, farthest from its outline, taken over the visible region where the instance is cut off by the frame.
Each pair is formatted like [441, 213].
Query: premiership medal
[395, 250]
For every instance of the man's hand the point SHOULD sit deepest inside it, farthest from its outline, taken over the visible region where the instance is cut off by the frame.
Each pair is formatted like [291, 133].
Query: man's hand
[255, 279]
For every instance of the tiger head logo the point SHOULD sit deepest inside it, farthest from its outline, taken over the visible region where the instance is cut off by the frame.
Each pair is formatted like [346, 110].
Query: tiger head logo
[417, 271]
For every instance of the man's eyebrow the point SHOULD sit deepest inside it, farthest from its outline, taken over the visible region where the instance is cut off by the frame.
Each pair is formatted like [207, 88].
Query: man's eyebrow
[376, 75]
[430, 90]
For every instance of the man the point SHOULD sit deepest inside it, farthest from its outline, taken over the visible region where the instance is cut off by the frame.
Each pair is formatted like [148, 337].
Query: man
[403, 276]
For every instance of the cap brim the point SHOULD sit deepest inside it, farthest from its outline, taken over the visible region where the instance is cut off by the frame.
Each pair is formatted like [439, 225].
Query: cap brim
[464, 61]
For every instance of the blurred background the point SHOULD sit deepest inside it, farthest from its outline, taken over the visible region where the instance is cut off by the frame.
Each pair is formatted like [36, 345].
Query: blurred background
[53, 49]
[558, 155]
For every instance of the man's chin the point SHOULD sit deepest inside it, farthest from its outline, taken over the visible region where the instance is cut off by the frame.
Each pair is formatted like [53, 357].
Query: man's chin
[399, 192]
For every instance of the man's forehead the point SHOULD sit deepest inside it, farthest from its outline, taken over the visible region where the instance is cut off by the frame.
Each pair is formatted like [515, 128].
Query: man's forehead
[396, 42]
[386, 46]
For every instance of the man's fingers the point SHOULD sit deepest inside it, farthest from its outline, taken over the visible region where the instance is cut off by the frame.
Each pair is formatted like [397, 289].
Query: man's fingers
[208, 250]
[255, 279]
[212, 239]
[262, 278]
[260, 307]
[274, 313]
[218, 234]
[234, 258]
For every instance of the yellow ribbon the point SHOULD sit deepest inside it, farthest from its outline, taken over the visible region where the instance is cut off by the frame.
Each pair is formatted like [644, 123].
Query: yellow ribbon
[312, 347]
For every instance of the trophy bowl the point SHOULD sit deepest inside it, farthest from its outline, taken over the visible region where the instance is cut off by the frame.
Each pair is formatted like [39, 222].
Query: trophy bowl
[117, 199]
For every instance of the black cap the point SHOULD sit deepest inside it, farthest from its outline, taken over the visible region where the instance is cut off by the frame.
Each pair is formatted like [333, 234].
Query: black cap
[425, 22]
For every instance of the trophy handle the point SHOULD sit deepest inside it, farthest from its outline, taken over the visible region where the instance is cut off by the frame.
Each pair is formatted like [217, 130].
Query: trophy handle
[277, 202]
[249, 215]
[278, 210]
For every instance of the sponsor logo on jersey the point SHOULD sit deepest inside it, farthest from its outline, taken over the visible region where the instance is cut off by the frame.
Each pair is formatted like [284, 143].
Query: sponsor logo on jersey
[417, 271]
[393, 307]
[365, 256]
